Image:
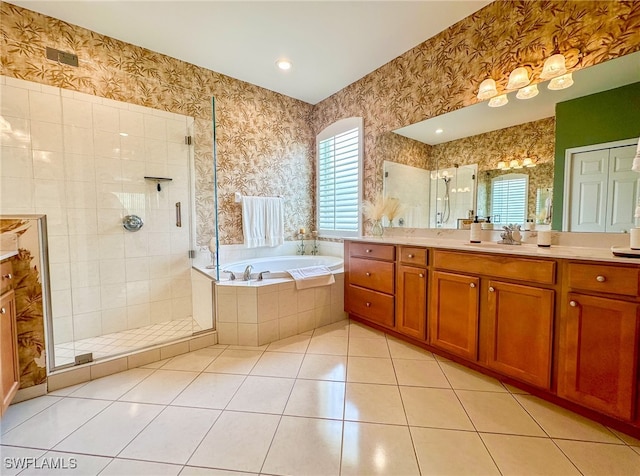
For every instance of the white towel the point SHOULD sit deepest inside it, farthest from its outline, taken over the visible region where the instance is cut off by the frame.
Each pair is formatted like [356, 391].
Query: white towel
[636, 161]
[262, 221]
[311, 276]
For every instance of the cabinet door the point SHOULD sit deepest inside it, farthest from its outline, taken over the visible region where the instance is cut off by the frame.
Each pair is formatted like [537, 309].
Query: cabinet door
[520, 328]
[599, 354]
[9, 377]
[411, 301]
[453, 314]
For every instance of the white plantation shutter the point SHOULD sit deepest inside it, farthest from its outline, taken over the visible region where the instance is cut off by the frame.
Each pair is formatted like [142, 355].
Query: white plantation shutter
[338, 175]
[509, 198]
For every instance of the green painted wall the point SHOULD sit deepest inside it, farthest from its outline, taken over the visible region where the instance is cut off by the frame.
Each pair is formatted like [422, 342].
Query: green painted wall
[604, 117]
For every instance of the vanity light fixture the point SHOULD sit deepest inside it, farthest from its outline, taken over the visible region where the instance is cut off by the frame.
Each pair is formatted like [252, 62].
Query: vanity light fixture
[561, 82]
[515, 164]
[283, 64]
[502, 165]
[528, 92]
[498, 101]
[487, 89]
[528, 162]
[518, 78]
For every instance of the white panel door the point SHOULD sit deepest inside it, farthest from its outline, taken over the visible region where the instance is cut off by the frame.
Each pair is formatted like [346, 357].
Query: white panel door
[589, 171]
[623, 189]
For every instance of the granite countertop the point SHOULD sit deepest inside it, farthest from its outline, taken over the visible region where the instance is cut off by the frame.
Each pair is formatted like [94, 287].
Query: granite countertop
[5, 254]
[526, 249]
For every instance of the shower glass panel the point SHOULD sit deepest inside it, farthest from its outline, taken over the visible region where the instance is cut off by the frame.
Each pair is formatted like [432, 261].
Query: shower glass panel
[453, 195]
[86, 162]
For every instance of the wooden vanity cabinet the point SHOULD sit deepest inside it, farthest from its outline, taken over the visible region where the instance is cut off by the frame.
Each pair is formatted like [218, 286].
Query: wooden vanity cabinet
[9, 372]
[599, 338]
[411, 292]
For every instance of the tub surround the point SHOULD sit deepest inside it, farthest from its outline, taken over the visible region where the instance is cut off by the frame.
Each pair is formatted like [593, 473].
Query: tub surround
[562, 323]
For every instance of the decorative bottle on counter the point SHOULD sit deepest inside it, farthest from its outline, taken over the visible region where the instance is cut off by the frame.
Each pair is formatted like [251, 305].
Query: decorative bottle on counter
[476, 231]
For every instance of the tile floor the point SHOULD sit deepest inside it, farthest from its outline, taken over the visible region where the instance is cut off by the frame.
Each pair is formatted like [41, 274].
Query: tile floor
[342, 399]
[117, 343]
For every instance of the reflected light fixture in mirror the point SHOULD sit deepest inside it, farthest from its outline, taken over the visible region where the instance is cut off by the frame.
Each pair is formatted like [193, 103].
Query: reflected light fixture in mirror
[528, 162]
[498, 101]
[518, 78]
[528, 92]
[502, 165]
[515, 164]
[561, 82]
[487, 89]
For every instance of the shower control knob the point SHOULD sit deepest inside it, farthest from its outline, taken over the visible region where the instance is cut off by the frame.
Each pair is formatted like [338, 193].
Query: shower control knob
[573, 303]
[472, 285]
[601, 279]
[492, 289]
[7, 276]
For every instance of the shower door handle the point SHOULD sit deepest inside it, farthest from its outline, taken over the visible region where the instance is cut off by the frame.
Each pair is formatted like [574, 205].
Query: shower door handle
[179, 214]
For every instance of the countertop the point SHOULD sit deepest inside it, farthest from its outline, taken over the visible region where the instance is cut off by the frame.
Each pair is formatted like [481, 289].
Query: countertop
[530, 250]
[7, 254]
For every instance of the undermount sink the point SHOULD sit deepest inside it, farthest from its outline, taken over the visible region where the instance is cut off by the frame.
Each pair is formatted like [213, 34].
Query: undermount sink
[493, 244]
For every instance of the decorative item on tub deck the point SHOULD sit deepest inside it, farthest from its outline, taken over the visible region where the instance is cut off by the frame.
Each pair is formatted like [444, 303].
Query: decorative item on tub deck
[262, 221]
[301, 248]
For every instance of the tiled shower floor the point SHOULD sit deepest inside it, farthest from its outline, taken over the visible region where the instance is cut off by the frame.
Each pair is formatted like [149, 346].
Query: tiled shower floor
[122, 342]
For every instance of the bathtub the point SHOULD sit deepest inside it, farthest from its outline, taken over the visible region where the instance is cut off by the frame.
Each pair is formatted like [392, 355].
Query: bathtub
[277, 266]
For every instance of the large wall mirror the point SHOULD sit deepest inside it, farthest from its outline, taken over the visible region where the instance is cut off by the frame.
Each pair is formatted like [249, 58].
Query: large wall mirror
[508, 163]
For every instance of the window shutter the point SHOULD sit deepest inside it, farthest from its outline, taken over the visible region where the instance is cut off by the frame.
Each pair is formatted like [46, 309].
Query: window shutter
[509, 198]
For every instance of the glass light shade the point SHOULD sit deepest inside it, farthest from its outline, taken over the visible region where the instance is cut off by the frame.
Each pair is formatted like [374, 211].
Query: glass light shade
[528, 92]
[561, 82]
[518, 78]
[528, 162]
[498, 101]
[487, 89]
[514, 164]
[502, 165]
[554, 66]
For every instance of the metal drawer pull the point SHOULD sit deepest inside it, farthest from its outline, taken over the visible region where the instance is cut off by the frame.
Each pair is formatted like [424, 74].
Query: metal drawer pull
[7, 276]
[472, 285]
[421, 275]
[368, 251]
[573, 303]
[601, 279]
[367, 274]
[492, 289]
[368, 304]
[410, 256]
[3, 311]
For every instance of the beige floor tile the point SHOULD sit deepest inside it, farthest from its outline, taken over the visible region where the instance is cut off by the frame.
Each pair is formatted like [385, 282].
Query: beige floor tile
[403, 350]
[451, 452]
[278, 364]
[600, 459]
[21, 412]
[514, 390]
[360, 330]
[54, 423]
[113, 386]
[306, 446]
[162, 387]
[324, 367]
[237, 441]
[374, 404]
[377, 449]
[327, 344]
[195, 361]
[316, 399]
[365, 347]
[435, 408]
[337, 329]
[630, 440]
[462, 378]
[262, 394]
[526, 455]
[156, 365]
[188, 428]
[297, 343]
[193, 471]
[370, 370]
[82, 464]
[111, 430]
[210, 391]
[120, 467]
[420, 373]
[233, 361]
[498, 413]
[561, 423]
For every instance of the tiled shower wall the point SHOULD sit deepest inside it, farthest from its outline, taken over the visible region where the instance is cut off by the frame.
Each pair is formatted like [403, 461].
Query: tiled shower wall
[81, 160]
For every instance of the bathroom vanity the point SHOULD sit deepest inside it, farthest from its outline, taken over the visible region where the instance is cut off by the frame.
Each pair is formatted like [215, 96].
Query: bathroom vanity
[9, 376]
[562, 323]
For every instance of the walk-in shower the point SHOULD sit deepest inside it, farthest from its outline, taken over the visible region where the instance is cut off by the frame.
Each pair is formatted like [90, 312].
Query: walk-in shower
[115, 181]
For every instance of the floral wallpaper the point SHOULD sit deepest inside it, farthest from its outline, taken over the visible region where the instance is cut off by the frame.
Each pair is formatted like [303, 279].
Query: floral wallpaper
[264, 139]
[443, 73]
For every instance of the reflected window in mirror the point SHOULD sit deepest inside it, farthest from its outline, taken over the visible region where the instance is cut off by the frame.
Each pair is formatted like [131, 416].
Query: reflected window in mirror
[509, 194]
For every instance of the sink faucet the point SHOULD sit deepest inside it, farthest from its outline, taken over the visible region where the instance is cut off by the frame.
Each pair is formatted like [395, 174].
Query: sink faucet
[247, 273]
[511, 235]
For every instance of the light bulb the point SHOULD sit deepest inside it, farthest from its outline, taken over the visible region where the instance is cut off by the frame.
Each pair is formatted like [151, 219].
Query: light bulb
[498, 101]
[528, 92]
[487, 89]
[518, 78]
[553, 66]
[561, 82]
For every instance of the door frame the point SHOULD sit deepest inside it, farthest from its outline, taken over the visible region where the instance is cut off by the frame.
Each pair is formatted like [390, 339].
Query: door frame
[568, 162]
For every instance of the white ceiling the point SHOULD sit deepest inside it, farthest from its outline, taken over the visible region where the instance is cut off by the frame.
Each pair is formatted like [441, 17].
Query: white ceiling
[330, 43]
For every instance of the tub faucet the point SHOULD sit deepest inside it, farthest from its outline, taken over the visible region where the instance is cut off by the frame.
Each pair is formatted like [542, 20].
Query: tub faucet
[247, 273]
[511, 235]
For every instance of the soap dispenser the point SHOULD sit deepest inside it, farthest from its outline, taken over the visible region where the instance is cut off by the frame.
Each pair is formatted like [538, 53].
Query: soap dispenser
[476, 231]
[487, 225]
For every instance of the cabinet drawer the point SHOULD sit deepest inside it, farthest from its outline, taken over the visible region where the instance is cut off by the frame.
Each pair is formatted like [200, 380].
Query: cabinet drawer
[510, 267]
[6, 276]
[413, 256]
[371, 305]
[372, 274]
[604, 278]
[373, 250]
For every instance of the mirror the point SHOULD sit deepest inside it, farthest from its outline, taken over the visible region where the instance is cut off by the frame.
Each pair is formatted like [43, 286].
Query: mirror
[513, 148]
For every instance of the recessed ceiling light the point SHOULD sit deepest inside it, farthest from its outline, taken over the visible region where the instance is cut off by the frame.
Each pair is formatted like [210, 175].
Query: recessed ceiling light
[283, 64]
[439, 131]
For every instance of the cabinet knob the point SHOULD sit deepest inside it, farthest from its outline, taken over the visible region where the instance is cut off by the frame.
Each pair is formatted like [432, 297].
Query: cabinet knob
[491, 289]
[3, 311]
[573, 303]
[472, 285]
[367, 274]
[368, 304]
[421, 275]
[7, 276]
[368, 251]
[601, 279]
[410, 256]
